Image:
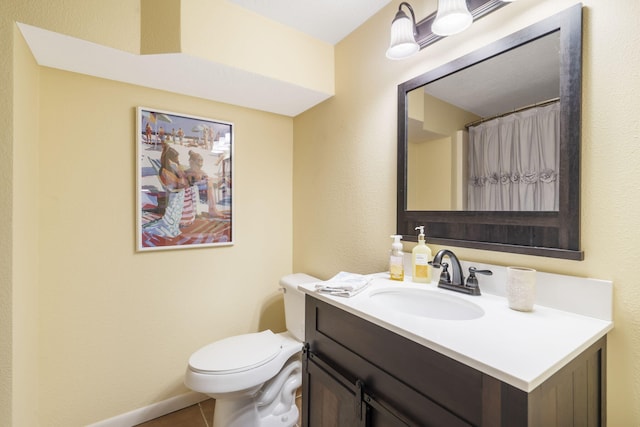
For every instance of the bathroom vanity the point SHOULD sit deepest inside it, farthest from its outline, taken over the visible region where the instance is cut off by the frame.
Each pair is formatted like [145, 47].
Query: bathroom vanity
[366, 364]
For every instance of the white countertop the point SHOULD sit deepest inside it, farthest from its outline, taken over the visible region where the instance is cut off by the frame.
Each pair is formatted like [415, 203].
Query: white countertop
[520, 348]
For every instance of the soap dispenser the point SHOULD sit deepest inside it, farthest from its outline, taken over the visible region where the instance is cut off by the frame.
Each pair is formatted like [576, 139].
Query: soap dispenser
[396, 259]
[420, 257]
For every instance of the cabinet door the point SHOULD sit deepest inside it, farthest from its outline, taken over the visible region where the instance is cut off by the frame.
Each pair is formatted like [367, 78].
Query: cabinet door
[421, 386]
[335, 401]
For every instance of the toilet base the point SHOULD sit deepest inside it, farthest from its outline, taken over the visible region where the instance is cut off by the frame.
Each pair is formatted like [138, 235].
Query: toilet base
[272, 406]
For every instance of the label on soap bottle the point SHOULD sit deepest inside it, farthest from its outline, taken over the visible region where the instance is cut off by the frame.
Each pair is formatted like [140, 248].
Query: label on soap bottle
[422, 259]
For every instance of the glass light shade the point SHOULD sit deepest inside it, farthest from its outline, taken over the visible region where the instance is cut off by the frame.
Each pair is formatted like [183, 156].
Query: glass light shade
[403, 42]
[452, 17]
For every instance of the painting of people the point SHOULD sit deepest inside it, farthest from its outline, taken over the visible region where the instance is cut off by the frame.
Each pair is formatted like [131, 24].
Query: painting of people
[184, 182]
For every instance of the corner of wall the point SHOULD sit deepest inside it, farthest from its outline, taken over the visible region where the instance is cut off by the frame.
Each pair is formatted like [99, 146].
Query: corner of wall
[24, 242]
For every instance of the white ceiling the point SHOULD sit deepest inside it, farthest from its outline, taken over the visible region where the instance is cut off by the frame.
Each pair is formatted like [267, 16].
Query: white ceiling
[328, 20]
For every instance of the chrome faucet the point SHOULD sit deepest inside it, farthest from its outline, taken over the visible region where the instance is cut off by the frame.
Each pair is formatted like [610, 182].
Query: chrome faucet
[456, 282]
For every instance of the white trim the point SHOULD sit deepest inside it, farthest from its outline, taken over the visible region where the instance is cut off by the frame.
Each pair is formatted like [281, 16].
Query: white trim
[155, 410]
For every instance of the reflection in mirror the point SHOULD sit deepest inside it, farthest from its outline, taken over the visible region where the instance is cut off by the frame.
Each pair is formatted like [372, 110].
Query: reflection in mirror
[489, 134]
[489, 145]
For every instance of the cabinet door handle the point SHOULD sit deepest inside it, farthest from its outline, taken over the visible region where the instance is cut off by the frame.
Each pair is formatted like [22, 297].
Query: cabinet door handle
[358, 399]
[392, 417]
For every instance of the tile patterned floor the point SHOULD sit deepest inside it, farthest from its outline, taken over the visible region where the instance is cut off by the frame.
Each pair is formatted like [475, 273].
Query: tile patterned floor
[199, 415]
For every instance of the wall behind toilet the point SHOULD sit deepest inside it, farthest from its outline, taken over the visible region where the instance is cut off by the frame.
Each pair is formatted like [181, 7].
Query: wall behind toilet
[117, 327]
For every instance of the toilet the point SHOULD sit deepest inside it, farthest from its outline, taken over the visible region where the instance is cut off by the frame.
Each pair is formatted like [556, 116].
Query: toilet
[254, 377]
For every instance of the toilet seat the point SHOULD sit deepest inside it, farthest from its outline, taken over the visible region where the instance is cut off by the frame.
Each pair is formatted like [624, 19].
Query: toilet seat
[237, 353]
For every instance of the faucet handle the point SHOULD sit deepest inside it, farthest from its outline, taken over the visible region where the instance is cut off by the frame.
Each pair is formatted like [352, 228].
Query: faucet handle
[472, 280]
[445, 277]
[473, 270]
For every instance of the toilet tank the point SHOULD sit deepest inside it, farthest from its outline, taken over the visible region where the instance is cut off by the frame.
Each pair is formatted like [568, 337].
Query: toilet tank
[294, 302]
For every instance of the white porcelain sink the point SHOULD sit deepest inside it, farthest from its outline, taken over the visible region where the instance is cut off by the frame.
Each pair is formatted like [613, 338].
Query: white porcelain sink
[426, 303]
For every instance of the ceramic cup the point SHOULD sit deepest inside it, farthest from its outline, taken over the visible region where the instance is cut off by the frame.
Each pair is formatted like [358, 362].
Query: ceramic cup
[521, 288]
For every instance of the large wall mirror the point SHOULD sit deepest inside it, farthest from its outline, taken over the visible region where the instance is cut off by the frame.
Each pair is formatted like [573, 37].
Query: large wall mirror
[489, 145]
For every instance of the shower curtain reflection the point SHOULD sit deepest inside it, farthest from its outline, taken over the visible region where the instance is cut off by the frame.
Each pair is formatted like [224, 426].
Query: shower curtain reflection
[514, 161]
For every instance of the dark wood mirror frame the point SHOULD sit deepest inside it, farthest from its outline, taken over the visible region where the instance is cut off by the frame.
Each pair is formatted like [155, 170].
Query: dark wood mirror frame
[549, 234]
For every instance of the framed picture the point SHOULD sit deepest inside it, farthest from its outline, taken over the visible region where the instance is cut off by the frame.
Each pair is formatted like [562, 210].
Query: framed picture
[184, 181]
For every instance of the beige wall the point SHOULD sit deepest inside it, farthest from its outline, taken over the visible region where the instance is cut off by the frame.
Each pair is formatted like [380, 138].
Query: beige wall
[25, 207]
[93, 20]
[429, 174]
[345, 171]
[448, 118]
[433, 175]
[232, 35]
[90, 328]
[131, 320]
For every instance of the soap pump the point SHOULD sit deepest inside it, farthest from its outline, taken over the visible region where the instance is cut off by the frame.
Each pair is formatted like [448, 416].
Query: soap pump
[396, 259]
[420, 257]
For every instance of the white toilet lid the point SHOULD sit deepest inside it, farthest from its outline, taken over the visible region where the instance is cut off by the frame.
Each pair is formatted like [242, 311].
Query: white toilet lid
[237, 353]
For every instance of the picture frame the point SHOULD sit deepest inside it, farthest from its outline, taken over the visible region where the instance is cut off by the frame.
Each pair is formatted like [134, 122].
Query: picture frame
[184, 190]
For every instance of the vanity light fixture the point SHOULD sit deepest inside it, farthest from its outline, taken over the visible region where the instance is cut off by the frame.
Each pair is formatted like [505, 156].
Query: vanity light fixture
[453, 17]
[403, 35]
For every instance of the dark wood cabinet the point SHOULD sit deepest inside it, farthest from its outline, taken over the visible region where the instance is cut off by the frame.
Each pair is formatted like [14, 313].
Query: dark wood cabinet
[359, 374]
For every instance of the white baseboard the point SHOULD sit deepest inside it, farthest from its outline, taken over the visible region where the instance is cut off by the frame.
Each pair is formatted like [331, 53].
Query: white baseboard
[141, 415]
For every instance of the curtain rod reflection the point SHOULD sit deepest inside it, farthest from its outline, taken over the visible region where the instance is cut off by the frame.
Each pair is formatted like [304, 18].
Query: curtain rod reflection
[517, 110]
